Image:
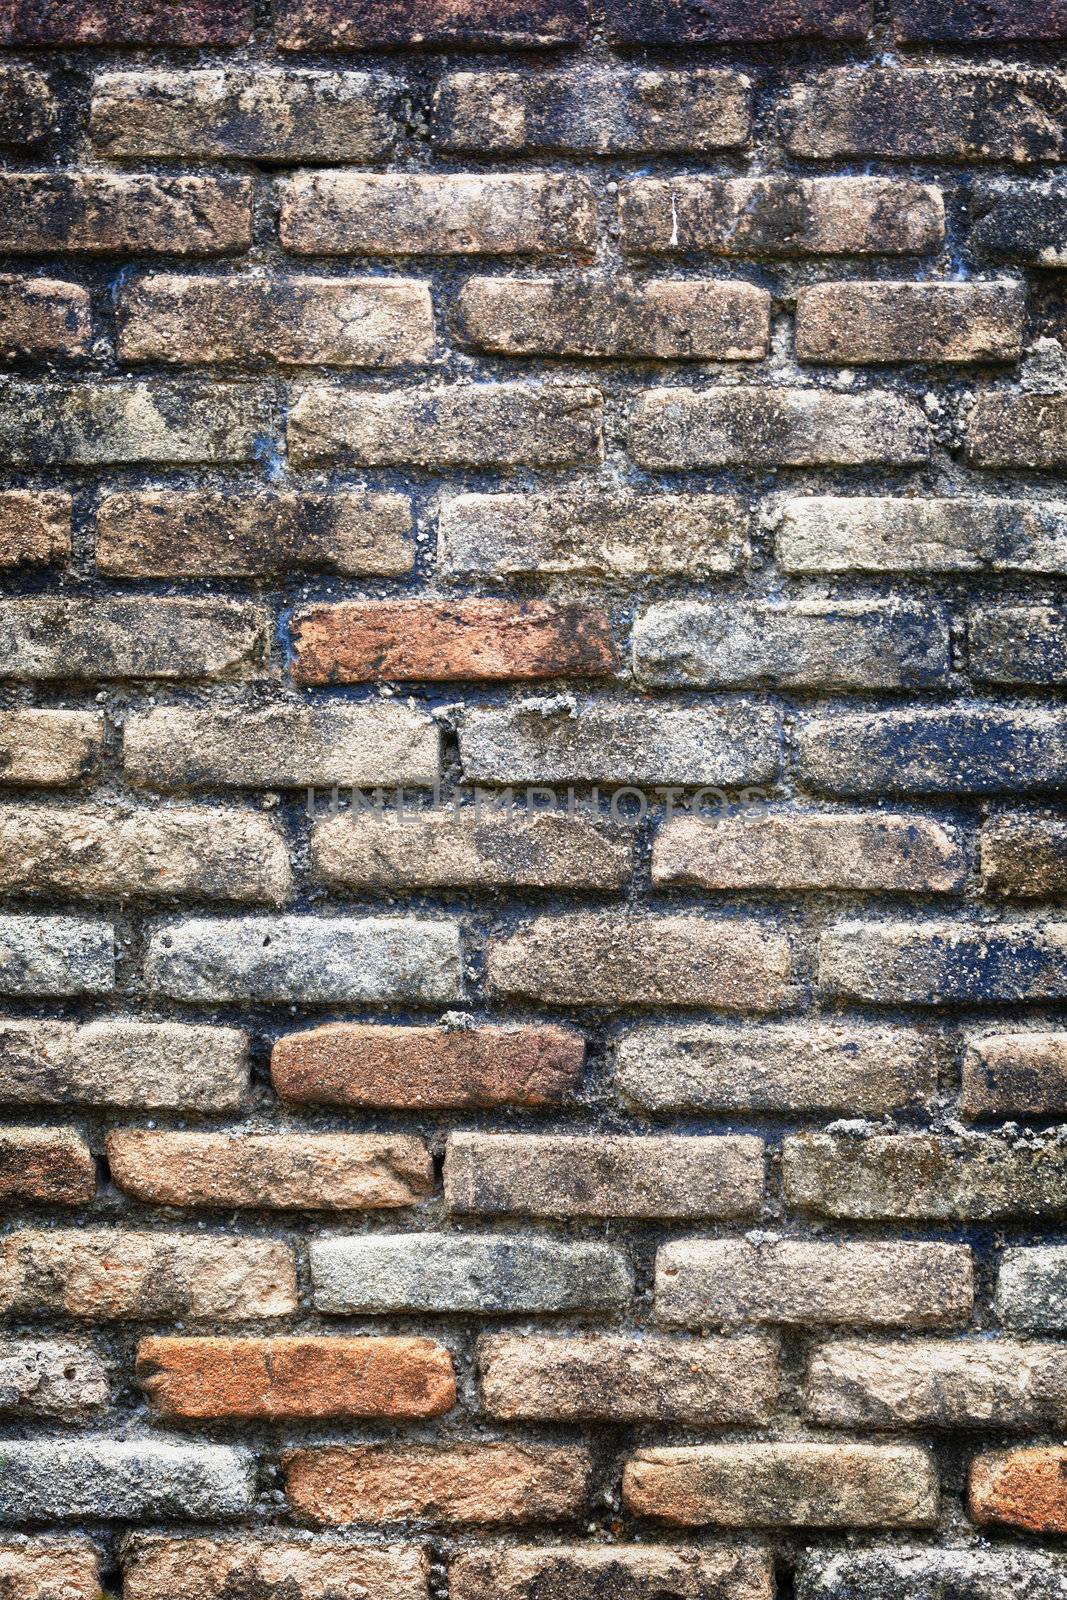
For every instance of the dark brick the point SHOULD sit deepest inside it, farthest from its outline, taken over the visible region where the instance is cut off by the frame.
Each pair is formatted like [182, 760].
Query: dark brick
[1025, 856]
[27, 106]
[1009, 429]
[1019, 644]
[107, 213]
[192, 22]
[1025, 222]
[722, 21]
[372, 24]
[953, 749]
[979, 21]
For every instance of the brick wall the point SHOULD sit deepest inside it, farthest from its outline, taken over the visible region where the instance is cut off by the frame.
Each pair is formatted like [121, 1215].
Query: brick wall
[653, 1191]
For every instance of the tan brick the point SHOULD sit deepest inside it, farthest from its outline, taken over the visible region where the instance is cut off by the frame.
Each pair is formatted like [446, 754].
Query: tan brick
[118, 214]
[34, 527]
[49, 747]
[131, 637]
[863, 323]
[937, 1383]
[43, 317]
[1020, 1489]
[50, 1570]
[51, 1378]
[286, 1171]
[283, 1569]
[104, 423]
[1013, 429]
[120, 1063]
[27, 117]
[874, 534]
[1018, 1074]
[626, 1572]
[49, 1166]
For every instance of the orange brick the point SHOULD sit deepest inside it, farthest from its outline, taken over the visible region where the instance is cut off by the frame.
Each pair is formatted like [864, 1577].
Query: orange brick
[1021, 1488]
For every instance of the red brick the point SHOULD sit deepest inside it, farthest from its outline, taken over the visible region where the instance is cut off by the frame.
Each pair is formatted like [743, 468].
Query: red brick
[155, 22]
[1021, 1489]
[47, 1165]
[371, 24]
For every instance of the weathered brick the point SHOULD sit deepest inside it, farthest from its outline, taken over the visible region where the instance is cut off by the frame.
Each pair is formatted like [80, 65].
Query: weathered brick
[937, 1383]
[944, 963]
[123, 1064]
[446, 214]
[311, 959]
[155, 22]
[1018, 644]
[864, 323]
[608, 959]
[927, 114]
[953, 750]
[119, 214]
[114, 1274]
[467, 849]
[341, 322]
[49, 1166]
[43, 640]
[685, 428]
[259, 115]
[1024, 222]
[726, 1282]
[1011, 429]
[612, 1175]
[474, 1484]
[34, 527]
[480, 1274]
[43, 317]
[52, 1570]
[666, 318]
[296, 1377]
[124, 1480]
[917, 1573]
[484, 424]
[1032, 1289]
[794, 1067]
[1014, 1075]
[49, 747]
[597, 534]
[371, 24]
[46, 1378]
[797, 644]
[967, 1178]
[100, 424]
[1024, 855]
[27, 106]
[282, 746]
[726, 21]
[202, 1569]
[604, 113]
[780, 216]
[872, 534]
[784, 1485]
[626, 1572]
[975, 21]
[567, 740]
[54, 955]
[707, 1383]
[1020, 1489]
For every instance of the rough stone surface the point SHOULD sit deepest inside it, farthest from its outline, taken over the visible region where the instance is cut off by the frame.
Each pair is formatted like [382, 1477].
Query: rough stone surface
[944, 963]
[28, 113]
[43, 317]
[1020, 1489]
[1024, 222]
[34, 527]
[201, 1569]
[874, 534]
[45, 1166]
[937, 1384]
[628, 1572]
[124, 1063]
[117, 215]
[50, 1569]
[57, 640]
[865, 323]
[956, 750]
[55, 955]
[125, 422]
[155, 22]
[1014, 1075]
[48, 747]
[1032, 1289]
[724, 21]
[921, 1573]
[359, 24]
[51, 1378]
[114, 1480]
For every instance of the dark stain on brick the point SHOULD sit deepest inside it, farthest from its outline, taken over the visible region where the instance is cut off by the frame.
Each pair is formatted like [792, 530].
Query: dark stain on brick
[722, 21]
[975, 21]
[188, 22]
[369, 24]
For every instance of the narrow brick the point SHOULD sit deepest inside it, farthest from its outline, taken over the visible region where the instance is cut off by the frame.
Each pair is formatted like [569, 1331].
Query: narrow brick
[608, 959]
[359, 641]
[122, 1064]
[1024, 222]
[872, 534]
[480, 425]
[117, 214]
[259, 115]
[1018, 644]
[953, 750]
[944, 963]
[49, 747]
[908, 1573]
[121, 1275]
[730, 21]
[797, 644]
[288, 1379]
[1020, 1489]
[794, 1068]
[597, 534]
[780, 216]
[47, 1378]
[46, 1166]
[1011, 429]
[446, 214]
[121, 1480]
[1024, 855]
[50, 1570]
[118, 423]
[1014, 1075]
[47, 640]
[677, 319]
[314, 960]
[372, 24]
[27, 108]
[473, 1274]
[976, 22]
[43, 317]
[626, 1572]
[489, 1174]
[54, 955]
[202, 1569]
[958, 1383]
[1032, 1289]
[464, 1484]
[284, 746]
[684, 428]
[784, 1485]
[608, 112]
[727, 1282]
[864, 323]
[34, 527]
[707, 1383]
[154, 22]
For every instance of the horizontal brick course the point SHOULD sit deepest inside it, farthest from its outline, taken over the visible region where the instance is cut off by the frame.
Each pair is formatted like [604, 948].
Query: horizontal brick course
[58, 639]
[946, 750]
[90, 22]
[943, 963]
[727, 21]
[986, 1573]
[119, 1480]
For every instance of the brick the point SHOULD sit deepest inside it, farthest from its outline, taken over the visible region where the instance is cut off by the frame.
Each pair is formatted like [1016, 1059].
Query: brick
[1018, 644]
[103, 424]
[917, 1574]
[797, 644]
[620, 111]
[443, 214]
[282, 746]
[314, 960]
[969, 1178]
[1020, 1489]
[780, 216]
[871, 851]
[34, 527]
[1018, 430]
[727, 21]
[926, 114]
[479, 1274]
[47, 640]
[784, 1485]
[608, 959]
[627, 1572]
[1032, 1289]
[664, 319]
[796, 1068]
[937, 1383]
[124, 1480]
[871, 534]
[707, 1383]
[46, 1166]
[123, 1064]
[953, 750]
[864, 323]
[276, 1379]
[727, 1282]
[1024, 222]
[43, 317]
[46, 1378]
[1024, 855]
[973, 21]
[372, 24]
[112, 214]
[342, 322]
[116, 1274]
[467, 849]
[257, 115]
[49, 747]
[276, 1172]
[52, 1570]
[1014, 1075]
[97, 853]
[613, 1175]
[55, 955]
[155, 22]
[591, 534]
[202, 1569]
[480, 425]
[944, 963]
[27, 111]
[466, 1484]
[678, 429]
[567, 740]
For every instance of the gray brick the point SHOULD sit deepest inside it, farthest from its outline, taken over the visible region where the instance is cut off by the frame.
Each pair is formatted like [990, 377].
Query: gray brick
[55, 955]
[874, 534]
[124, 1481]
[51, 1378]
[58, 639]
[100, 423]
[944, 963]
[1032, 1289]
[961, 1383]
[120, 1063]
[925, 1573]
[949, 750]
